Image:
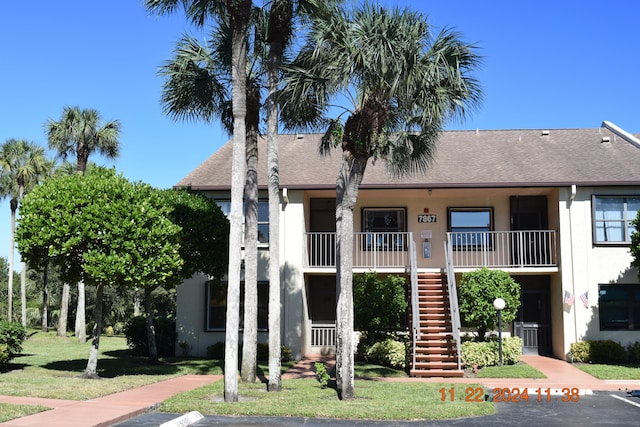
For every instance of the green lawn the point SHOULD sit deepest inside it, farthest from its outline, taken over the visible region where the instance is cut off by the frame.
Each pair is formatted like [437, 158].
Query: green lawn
[52, 367]
[374, 400]
[610, 372]
[519, 370]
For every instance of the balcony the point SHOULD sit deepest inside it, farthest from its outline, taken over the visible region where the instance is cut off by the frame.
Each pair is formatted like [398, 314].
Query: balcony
[494, 249]
[370, 250]
[504, 249]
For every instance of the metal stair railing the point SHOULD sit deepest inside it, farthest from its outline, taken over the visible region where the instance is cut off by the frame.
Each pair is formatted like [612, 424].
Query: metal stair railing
[453, 299]
[415, 306]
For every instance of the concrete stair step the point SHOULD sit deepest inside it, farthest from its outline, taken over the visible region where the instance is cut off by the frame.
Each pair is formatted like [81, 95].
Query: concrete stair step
[437, 373]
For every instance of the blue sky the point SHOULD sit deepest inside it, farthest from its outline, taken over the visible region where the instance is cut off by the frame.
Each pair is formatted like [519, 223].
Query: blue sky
[547, 64]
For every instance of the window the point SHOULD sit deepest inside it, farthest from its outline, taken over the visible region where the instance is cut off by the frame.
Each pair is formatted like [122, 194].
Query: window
[216, 310]
[470, 228]
[385, 228]
[619, 307]
[263, 218]
[612, 216]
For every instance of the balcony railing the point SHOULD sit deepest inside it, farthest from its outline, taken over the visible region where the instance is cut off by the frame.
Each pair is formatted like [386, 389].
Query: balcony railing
[323, 335]
[370, 250]
[494, 249]
[504, 249]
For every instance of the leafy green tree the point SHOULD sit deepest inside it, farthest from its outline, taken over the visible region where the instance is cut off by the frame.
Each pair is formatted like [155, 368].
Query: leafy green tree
[80, 131]
[23, 165]
[204, 239]
[476, 293]
[380, 304]
[405, 85]
[104, 230]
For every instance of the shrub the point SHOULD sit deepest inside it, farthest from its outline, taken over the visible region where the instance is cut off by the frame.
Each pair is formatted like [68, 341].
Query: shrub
[12, 335]
[216, 351]
[321, 374]
[379, 304]
[286, 354]
[476, 293]
[602, 351]
[482, 354]
[633, 351]
[4, 354]
[389, 352]
[580, 351]
[136, 332]
[511, 350]
[607, 351]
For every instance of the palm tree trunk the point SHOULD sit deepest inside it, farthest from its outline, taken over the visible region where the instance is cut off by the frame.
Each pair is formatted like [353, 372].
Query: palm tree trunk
[14, 206]
[280, 14]
[151, 330]
[347, 187]
[81, 327]
[239, 13]
[45, 298]
[91, 370]
[23, 293]
[250, 329]
[64, 311]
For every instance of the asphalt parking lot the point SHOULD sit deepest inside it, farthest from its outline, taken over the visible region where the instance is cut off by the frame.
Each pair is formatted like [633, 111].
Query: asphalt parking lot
[614, 408]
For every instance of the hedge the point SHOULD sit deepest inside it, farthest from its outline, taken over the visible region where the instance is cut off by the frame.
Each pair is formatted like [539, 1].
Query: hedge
[482, 354]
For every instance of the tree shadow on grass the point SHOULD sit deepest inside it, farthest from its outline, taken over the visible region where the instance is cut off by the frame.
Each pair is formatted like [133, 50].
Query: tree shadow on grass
[125, 362]
[8, 367]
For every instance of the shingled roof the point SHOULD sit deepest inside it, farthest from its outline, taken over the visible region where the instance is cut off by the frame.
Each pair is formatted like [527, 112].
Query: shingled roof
[463, 159]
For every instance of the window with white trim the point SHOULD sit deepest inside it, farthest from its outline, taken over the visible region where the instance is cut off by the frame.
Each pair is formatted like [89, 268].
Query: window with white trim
[385, 228]
[263, 219]
[216, 309]
[470, 228]
[612, 216]
[619, 307]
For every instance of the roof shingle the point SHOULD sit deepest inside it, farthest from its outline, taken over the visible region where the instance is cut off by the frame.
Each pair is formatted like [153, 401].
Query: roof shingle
[490, 158]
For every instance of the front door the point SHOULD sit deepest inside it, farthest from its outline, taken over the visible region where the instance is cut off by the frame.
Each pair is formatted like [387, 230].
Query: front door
[529, 214]
[533, 321]
[322, 225]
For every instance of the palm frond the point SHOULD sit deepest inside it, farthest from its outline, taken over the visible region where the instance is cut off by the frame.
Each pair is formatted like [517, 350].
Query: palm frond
[194, 87]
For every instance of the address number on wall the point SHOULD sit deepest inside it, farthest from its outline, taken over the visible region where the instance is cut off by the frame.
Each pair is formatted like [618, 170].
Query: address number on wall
[427, 218]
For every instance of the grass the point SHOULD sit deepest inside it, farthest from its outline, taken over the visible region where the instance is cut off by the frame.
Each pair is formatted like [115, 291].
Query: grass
[610, 372]
[52, 367]
[520, 370]
[9, 412]
[375, 400]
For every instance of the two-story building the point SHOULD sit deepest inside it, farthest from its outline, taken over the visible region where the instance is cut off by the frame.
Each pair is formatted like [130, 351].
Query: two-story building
[550, 206]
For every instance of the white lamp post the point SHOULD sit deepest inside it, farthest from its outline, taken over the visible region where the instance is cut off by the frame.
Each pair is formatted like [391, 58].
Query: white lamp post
[499, 304]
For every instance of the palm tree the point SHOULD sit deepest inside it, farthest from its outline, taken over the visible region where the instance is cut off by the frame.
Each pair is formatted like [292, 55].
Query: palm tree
[23, 165]
[238, 11]
[405, 85]
[79, 132]
[279, 37]
[196, 84]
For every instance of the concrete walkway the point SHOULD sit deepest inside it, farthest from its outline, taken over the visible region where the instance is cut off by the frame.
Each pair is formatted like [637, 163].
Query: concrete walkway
[107, 410]
[115, 408]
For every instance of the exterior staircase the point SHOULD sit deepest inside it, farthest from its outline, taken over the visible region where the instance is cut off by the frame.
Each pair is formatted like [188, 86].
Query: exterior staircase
[435, 349]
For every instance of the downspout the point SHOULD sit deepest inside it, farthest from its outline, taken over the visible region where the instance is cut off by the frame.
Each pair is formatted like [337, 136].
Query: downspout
[573, 277]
